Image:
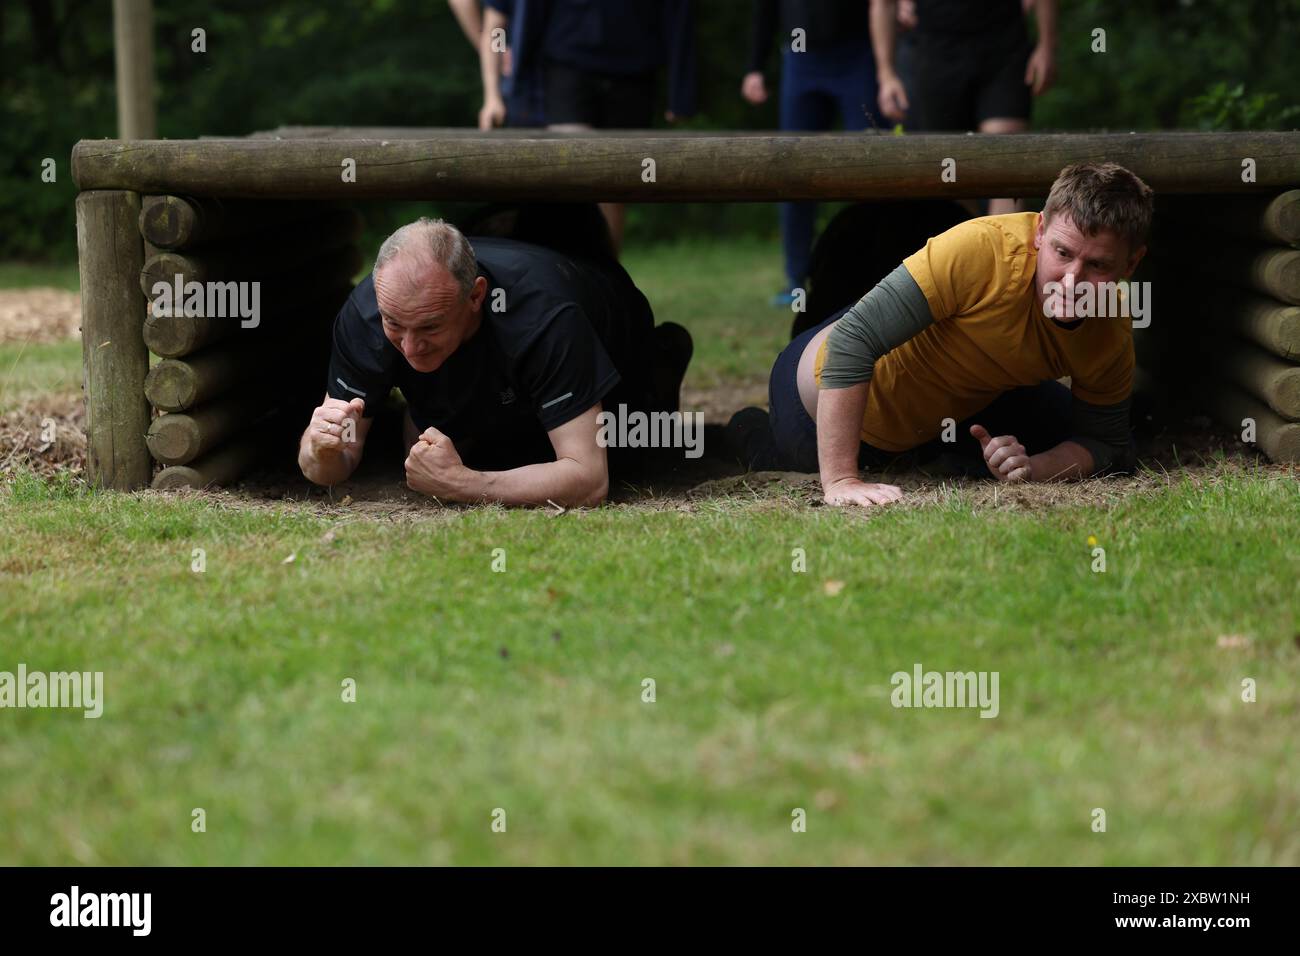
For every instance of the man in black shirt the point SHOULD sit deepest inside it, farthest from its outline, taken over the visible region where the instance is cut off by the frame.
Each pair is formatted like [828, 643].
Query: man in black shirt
[506, 353]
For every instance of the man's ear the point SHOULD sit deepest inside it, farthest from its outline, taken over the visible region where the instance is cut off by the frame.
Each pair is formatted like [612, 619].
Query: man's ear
[1038, 231]
[478, 293]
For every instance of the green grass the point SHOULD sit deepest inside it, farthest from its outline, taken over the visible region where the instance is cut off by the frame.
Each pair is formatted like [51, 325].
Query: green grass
[523, 689]
[27, 370]
[720, 291]
[24, 275]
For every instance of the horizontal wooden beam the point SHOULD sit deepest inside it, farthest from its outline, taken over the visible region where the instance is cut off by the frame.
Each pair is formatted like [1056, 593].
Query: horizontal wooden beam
[683, 169]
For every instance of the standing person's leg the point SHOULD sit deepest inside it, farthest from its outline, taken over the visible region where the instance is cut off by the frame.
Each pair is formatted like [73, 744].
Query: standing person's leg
[1002, 98]
[626, 102]
[855, 88]
[805, 107]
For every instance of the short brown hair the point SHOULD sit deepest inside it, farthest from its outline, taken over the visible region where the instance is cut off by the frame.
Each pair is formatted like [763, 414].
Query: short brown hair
[1102, 196]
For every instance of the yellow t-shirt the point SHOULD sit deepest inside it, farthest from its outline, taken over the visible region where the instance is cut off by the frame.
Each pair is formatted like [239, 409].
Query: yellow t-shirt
[989, 335]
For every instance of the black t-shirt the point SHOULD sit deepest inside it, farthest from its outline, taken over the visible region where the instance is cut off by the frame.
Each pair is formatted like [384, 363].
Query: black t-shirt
[562, 334]
[966, 16]
[624, 37]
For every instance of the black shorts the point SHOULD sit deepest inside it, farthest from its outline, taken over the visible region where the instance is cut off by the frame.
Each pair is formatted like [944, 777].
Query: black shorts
[599, 100]
[962, 79]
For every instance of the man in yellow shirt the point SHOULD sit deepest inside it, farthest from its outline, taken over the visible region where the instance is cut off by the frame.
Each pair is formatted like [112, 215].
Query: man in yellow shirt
[975, 328]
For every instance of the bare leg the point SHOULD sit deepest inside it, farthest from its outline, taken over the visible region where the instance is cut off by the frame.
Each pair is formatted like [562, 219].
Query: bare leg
[1000, 207]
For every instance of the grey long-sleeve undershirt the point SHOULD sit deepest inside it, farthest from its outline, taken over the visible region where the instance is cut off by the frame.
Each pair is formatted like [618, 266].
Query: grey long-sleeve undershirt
[883, 319]
[895, 311]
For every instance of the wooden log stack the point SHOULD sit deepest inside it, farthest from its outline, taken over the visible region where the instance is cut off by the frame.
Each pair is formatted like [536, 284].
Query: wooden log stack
[1225, 327]
[225, 377]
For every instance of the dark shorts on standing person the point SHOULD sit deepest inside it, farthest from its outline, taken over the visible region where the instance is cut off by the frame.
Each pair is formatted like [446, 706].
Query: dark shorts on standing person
[599, 100]
[963, 77]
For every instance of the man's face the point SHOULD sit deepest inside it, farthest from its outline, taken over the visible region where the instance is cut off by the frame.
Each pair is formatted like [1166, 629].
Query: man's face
[424, 313]
[1064, 250]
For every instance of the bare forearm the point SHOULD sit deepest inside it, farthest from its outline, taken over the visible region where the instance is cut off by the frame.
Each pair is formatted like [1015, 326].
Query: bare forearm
[884, 28]
[1066, 462]
[565, 482]
[839, 431]
[1045, 14]
[468, 16]
[489, 59]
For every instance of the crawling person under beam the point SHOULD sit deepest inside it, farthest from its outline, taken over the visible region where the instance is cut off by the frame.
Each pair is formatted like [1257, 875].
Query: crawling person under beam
[506, 352]
[961, 346]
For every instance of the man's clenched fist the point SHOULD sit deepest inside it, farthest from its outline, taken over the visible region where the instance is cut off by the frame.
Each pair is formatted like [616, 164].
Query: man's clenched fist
[333, 427]
[434, 468]
[1005, 456]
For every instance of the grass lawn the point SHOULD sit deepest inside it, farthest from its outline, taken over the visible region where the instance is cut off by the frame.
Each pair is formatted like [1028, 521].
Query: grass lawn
[524, 689]
[30, 370]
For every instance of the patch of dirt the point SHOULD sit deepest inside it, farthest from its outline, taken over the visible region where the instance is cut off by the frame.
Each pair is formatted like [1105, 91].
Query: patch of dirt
[39, 315]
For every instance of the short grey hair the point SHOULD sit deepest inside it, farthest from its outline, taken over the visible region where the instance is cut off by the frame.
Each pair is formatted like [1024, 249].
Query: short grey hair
[442, 242]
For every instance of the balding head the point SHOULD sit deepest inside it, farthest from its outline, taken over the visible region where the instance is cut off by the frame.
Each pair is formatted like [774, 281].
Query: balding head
[428, 290]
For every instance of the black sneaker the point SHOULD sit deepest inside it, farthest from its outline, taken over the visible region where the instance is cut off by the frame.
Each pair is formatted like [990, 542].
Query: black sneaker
[673, 351]
[749, 439]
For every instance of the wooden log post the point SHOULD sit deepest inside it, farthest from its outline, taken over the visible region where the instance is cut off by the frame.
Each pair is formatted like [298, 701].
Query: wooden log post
[115, 361]
[283, 304]
[137, 113]
[1266, 377]
[179, 438]
[222, 466]
[175, 385]
[1266, 322]
[181, 222]
[1276, 437]
[285, 251]
[1272, 219]
[1272, 271]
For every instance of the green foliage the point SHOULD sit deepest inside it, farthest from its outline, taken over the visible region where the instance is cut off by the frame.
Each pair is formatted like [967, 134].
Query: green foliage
[1224, 108]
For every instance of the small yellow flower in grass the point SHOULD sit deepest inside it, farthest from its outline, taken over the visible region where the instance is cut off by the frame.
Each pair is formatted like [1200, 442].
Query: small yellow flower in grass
[1092, 541]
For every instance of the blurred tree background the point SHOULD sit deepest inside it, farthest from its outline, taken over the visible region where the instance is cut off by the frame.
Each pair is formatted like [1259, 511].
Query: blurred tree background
[1169, 64]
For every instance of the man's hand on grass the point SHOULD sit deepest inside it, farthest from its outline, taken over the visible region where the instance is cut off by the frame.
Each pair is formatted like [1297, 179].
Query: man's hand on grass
[1006, 457]
[855, 491]
[434, 468]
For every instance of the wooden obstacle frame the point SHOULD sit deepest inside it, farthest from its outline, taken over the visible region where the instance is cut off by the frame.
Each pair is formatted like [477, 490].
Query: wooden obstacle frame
[277, 208]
